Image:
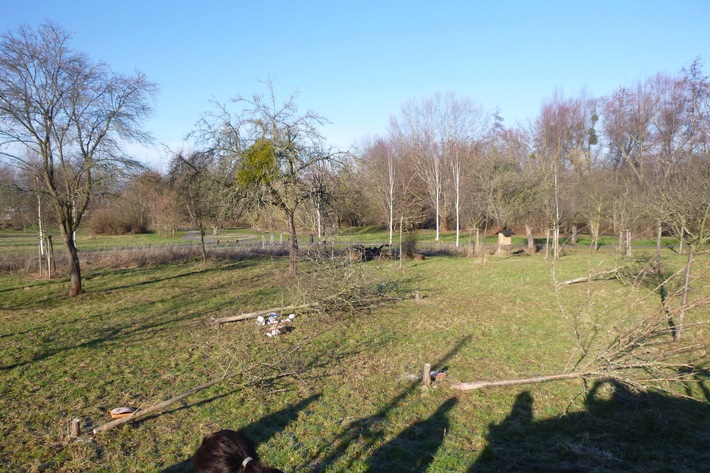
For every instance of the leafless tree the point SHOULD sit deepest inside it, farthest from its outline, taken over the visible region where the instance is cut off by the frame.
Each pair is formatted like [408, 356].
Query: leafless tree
[381, 164]
[273, 147]
[73, 114]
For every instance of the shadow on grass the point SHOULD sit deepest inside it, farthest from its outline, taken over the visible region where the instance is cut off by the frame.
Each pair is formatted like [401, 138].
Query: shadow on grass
[621, 431]
[414, 448]
[368, 430]
[124, 330]
[227, 267]
[50, 302]
[260, 431]
[696, 376]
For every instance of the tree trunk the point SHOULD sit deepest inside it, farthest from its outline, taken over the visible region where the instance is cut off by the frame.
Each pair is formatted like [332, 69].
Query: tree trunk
[477, 245]
[627, 243]
[41, 233]
[678, 334]
[659, 231]
[573, 239]
[293, 245]
[202, 240]
[401, 222]
[594, 246]
[74, 269]
[531, 240]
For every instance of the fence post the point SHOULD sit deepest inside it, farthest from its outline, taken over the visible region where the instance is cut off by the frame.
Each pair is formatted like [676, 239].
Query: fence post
[75, 428]
[627, 242]
[426, 375]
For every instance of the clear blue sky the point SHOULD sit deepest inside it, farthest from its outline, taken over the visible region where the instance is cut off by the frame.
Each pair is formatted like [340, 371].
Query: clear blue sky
[356, 62]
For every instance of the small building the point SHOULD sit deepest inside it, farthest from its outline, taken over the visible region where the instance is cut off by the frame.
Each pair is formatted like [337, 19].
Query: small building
[505, 238]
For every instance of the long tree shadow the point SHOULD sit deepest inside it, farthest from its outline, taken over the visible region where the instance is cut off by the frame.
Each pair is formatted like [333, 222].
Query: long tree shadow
[122, 330]
[260, 431]
[236, 265]
[414, 448]
[698, 377]
[369, 429]
[621, 431]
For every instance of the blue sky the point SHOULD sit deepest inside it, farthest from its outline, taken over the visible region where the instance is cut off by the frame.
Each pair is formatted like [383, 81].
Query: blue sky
[357, 62]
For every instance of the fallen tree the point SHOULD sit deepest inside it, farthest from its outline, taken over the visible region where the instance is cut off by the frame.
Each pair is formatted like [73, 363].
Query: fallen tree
[253, 315]
[339, 287]
[642, 351]
[604, 275]
[159, 406]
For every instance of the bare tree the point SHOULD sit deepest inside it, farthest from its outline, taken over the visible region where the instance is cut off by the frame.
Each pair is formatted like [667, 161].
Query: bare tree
[273, 147]
[564, 134]
[380, 164]
[70, 112]
[442, 133]
[416, 130]
[191, 177]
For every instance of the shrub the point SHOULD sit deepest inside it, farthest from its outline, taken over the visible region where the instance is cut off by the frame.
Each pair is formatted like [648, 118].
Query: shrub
[409, 244]
[111, 222]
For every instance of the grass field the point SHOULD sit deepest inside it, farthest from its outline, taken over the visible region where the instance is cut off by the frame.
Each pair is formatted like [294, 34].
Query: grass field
[347, 396]
[17, 241]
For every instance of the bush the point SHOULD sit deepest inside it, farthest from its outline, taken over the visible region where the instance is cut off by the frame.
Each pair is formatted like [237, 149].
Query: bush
[110, 222]
[409, 244]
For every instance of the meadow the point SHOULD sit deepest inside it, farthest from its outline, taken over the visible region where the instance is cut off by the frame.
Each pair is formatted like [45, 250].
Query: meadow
[342, 391]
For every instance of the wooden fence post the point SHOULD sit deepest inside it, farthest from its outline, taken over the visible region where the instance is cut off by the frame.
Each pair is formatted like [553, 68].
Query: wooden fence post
[426, 376]
[75, 428]
[627, 242]
[48, 239]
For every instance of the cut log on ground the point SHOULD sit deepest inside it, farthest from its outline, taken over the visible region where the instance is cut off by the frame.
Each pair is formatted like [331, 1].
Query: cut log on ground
[591, 277]
[253, 315]
[159, 406]
[511, 382]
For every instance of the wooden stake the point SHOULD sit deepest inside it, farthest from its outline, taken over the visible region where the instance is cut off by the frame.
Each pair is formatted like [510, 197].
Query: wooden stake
[426, 375]
[75, 428]
[50, 256]
[627, 242]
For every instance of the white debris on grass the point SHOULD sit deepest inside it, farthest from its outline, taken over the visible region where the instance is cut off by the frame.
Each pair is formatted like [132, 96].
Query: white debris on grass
[272, 318]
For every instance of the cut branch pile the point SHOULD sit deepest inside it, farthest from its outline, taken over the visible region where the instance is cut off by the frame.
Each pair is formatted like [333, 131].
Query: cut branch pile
[643, 353]
[337, 286]
[253, 315]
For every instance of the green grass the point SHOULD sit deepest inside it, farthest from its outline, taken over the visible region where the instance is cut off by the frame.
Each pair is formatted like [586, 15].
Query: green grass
[25, 242]
[142, 335]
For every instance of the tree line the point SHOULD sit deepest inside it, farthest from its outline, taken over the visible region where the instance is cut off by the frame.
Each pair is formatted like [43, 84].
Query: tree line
[636, 160]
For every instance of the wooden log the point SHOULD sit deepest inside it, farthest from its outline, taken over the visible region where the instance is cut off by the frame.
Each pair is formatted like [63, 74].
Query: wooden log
[591, 277]
[426, 375]
[511, 382]
[157, 407]
[252, 315]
